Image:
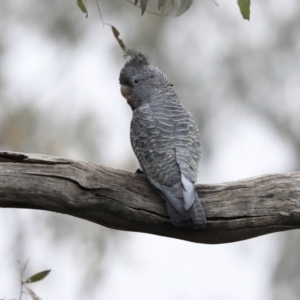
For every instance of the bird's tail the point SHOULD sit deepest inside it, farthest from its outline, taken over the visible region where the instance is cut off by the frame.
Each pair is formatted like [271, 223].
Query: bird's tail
[197, 214]
[175, 199]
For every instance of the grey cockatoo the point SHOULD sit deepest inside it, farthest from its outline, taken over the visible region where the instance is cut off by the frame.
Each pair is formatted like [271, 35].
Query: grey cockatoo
[164, 137]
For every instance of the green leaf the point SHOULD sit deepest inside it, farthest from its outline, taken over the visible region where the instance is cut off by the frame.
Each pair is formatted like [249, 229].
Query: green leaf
[116, 34]
[82, 5]
[245, 8]
[184, 5]
[143, 5]
[215, 3]
[135, 2]
[166, 3]
[38, 276]
[161, 3]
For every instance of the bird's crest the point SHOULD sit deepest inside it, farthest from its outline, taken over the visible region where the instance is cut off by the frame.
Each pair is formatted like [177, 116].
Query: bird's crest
[137, 58]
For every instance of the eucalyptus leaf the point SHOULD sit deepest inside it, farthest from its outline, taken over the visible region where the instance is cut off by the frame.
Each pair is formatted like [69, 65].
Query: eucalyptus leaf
[161, 3]
[116, 34]
[244, 6]
[183, 7]
[215, 3]
[144, 5]
[167, 3]
[82, 5]
[38, 276]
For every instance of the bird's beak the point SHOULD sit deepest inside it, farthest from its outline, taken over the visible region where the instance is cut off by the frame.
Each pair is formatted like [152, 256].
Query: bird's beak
[125, 91]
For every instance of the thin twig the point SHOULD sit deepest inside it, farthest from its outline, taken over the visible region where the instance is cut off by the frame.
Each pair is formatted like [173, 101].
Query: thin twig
[100, 14]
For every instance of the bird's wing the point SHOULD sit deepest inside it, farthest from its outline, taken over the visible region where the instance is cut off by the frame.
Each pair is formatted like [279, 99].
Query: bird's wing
[163, 140]
[152, 140]
[187, 144]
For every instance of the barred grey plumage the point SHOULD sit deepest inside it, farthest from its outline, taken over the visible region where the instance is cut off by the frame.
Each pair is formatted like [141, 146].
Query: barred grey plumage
[164, 137]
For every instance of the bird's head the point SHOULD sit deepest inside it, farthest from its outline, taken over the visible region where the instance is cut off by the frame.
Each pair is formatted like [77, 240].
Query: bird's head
[140, 82]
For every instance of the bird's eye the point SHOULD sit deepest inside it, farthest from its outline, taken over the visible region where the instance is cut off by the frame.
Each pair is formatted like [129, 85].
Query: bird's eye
[136, 81]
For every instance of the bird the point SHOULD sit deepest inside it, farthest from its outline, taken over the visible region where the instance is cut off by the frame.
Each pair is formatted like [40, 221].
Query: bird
[164, 137]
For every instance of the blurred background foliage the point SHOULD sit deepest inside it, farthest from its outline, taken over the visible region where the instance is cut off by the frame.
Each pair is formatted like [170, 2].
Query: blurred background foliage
[230, 74]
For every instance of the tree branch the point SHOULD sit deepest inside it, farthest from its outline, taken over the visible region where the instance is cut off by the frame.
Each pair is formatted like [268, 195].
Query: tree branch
[117, 199]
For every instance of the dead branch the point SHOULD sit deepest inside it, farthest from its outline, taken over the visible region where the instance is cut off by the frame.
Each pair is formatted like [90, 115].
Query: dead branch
[121, 200]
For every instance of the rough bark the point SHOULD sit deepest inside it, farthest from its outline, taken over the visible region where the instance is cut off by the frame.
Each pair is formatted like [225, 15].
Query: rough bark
[121, 200]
